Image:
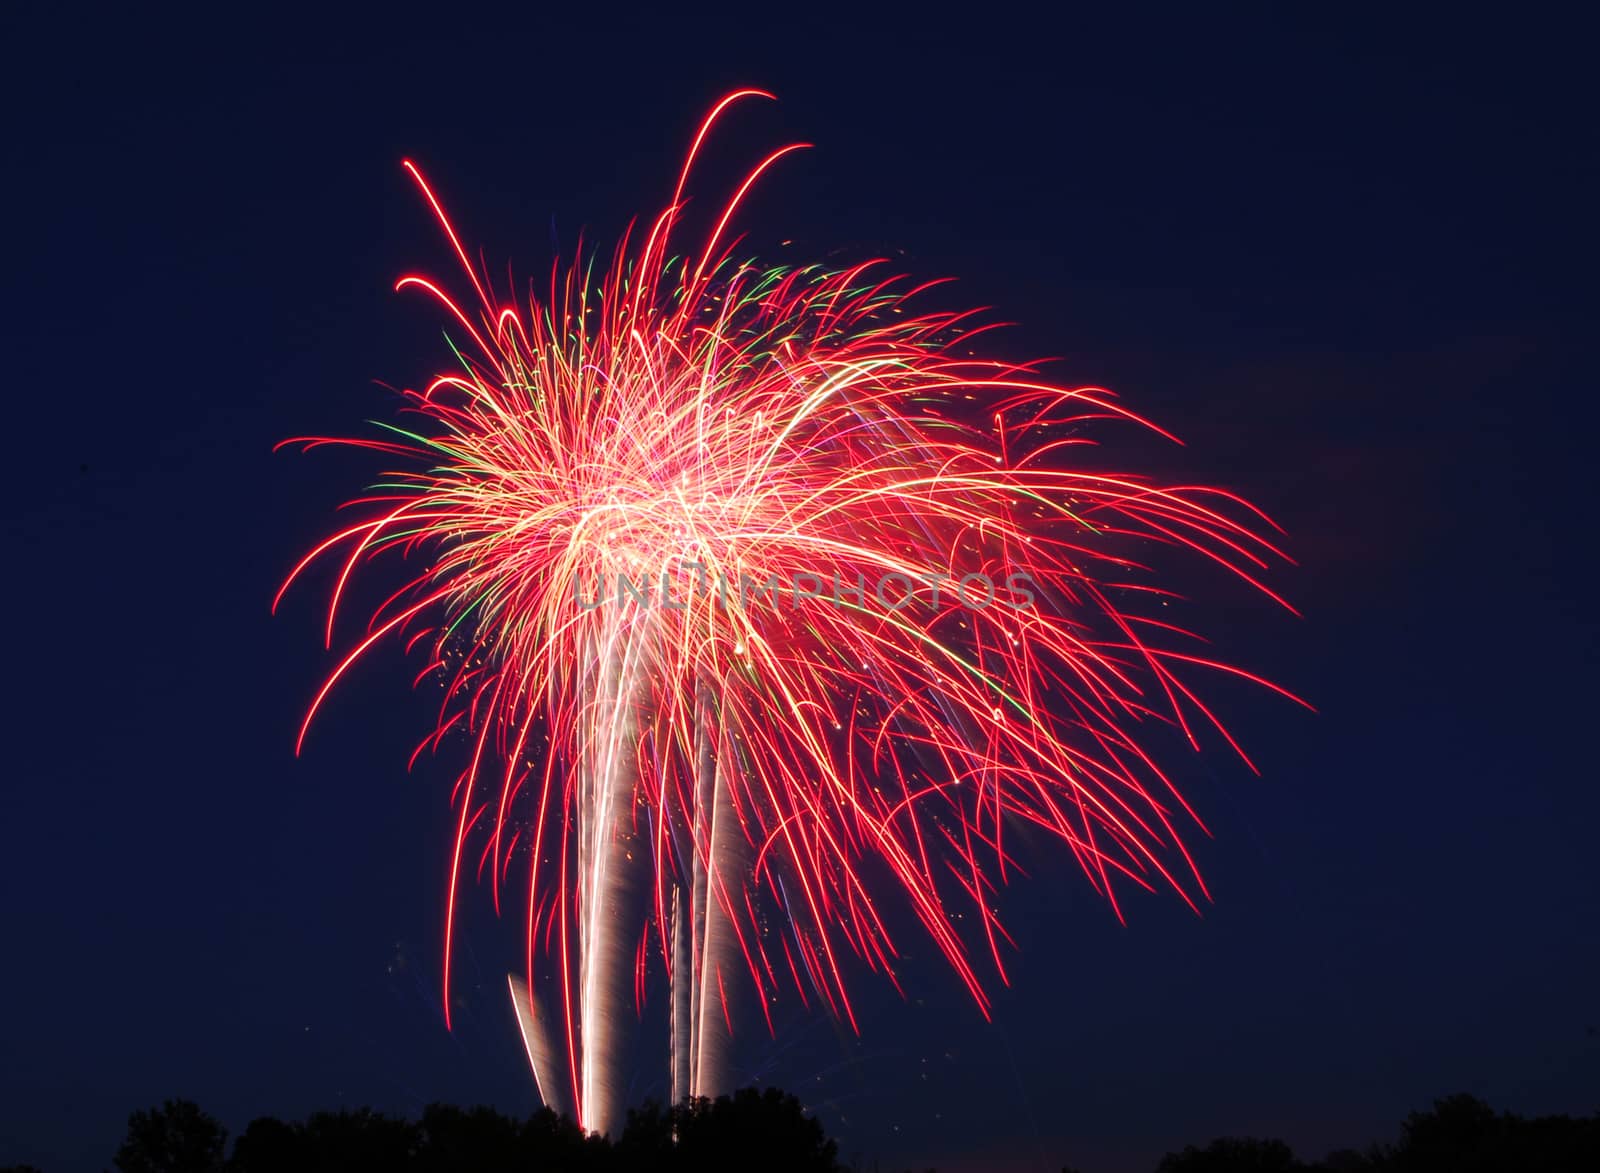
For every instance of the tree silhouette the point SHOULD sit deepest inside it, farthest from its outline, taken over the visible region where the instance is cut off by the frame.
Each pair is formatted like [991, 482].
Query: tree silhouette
[1459, 1134]
[766, 1130]
[1233, 1155]
[337, 1142]
[266, 1146]
[1351, 1161]
[478, 1138]
[647, 1138]
[1462, 1134]
[558, 1144]
[174, 1138]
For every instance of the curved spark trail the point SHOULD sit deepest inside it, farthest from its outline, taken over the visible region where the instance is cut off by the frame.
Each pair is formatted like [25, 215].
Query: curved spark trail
[739, 579]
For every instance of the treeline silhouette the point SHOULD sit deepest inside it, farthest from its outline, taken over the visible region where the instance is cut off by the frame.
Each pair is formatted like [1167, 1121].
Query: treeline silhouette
[752, 1131]
[1460, 1134]
[768, 1131]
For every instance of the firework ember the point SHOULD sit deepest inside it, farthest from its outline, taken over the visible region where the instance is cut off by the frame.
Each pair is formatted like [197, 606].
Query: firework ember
[758, 597]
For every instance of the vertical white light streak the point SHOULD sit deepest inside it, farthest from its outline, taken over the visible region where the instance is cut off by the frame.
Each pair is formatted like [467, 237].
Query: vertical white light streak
[536, 1041]
[605, 831]
[717, 848]
[682, 1001]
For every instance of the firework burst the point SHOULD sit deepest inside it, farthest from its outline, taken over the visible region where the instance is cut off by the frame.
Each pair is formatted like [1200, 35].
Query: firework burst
[757, 596]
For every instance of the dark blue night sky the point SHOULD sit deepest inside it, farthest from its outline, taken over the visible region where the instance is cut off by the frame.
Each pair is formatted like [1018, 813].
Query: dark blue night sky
[1349, 259]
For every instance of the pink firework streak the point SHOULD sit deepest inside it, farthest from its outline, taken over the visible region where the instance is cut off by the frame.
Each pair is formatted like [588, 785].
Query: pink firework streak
[756, 596]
